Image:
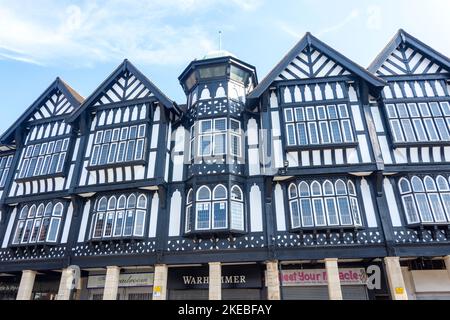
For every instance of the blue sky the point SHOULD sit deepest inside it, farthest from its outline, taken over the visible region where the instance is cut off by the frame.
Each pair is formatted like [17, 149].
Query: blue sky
[83, 41]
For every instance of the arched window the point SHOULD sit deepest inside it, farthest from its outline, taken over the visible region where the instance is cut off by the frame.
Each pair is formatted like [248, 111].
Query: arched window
[428, 201]
[203, 193]
[112, 203]
[102, 204]
[220, 192]
[220, 212]
[237, 209]
[124, 216]
[325, 203]
[142, 202]
[292, 191]
[39, 223]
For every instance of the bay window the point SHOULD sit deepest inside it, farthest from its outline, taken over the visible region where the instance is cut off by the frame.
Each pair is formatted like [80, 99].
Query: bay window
[119, 216]
[419, 122]
[118, 145]
[323, 204]
[316, 125]
[214, 209]
[425, 200]
[217, 137]
[39, 223]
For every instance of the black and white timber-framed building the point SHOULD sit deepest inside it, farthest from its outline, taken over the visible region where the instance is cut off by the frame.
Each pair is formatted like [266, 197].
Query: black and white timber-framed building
[324, 180]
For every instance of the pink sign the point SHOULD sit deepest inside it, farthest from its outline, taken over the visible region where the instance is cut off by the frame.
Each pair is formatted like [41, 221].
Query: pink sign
[318, 277]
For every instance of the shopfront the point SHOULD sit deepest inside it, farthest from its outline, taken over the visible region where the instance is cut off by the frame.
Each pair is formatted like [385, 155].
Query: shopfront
[311, 284]
[9, 286]
[132, 286]
[427, 284]
[239, 282]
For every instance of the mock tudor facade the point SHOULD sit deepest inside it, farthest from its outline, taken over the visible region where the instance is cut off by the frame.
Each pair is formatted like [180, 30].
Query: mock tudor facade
[325, 180]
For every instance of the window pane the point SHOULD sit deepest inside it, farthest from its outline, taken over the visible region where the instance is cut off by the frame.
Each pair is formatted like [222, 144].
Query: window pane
[402, 111]
[121, 152]
[95, 153]
[332, 112]
[424, 110]
[188, 220]
[237, 216]
[19, 232]
[112, 153]
[302, 134]
[307, 216]
[391, 111]
[44, 229]
[409, 131]
[355, 211]
[312, 127]
[139, 223]
[53, 231]
[62, 158]
[321, 113]
[205, 126]
[310, 114]
[442, 128]
[109, 225]
[319, 212]
[424, 207]
[202, 216]
[445, 108]
[139, 150]
[446, 202]
[435, 110]
[397, 131]
[410, 208]
[295, 214]
[413, 110]
[103, 154]
[130, 150]
[343, 111]
[205, 145]
[331, 211]
[133, 132]
[436, 205]
[219, 193]
[324, 132]
[98, 229]
[299, 114]
[431, 129]
[220, 215]
[288, 115]
[420, 130]
[220, 124]
[219, 143]
[119, 224]
[347, 130]
[344, 211]
[290, 130]
[336, 131]
[128, 230]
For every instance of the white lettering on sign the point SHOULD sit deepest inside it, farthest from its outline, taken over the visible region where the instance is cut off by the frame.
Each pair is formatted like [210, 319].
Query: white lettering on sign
[318, 277]
[125, 280]
[189, 280]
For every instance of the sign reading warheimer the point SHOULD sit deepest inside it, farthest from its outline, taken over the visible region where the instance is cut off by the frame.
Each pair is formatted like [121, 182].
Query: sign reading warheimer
[318, 277]
[125, 280]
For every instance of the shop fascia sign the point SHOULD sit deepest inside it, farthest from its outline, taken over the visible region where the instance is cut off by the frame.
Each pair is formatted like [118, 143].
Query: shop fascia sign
[125, 280]
[318, 277]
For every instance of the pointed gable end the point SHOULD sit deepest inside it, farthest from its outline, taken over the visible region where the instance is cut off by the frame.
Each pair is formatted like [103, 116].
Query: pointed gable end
[311, 58]
[59, 99]
[406, 55]
[126, 83]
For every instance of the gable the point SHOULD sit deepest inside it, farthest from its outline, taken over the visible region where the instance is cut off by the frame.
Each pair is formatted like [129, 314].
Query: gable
[311, 63]
[405, 60]
[312, 58]
[126, 87]
[56, 105]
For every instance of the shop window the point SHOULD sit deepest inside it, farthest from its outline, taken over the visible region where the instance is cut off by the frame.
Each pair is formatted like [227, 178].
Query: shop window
[323, 204]
[39, 223]
[426, 199]
[119, 216]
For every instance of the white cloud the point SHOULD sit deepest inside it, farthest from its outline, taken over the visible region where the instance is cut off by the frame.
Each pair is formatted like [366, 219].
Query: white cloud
[349, 18]
[85, 32]
[374, 19]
